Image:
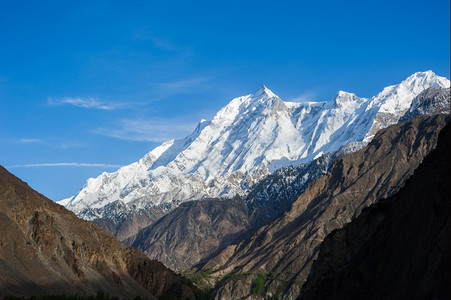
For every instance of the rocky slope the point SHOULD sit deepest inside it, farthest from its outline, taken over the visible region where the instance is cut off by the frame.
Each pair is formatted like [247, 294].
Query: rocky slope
[272, 196]
[124, 222]
[196, 230]
[193, 231]
[398, 248]
[284, 250]
[430, 102]
[248, 139]
[46, 249]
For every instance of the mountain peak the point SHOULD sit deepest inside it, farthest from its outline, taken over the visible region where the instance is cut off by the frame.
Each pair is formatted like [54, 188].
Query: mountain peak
[426, 79]
[398, 98]
[251, 136]
[342, 98]
[427, 73]
[264, 91]
[344, 94]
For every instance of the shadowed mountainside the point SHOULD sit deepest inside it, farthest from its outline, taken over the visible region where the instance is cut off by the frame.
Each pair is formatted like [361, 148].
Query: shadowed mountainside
[285, 248]
[127, 223]
[398, 248]
[46, 249]
[193, 231]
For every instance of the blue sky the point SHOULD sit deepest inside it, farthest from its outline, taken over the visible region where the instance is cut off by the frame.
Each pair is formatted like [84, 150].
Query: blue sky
[88, 86]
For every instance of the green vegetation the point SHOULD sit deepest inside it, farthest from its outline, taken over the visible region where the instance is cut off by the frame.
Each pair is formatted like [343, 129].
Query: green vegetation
[220, 268]
[259, 284]
[200, 279]
[232, 276]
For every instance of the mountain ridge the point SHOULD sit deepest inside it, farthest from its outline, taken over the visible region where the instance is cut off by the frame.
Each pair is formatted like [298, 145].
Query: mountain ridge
[286, 247]
[248, 139]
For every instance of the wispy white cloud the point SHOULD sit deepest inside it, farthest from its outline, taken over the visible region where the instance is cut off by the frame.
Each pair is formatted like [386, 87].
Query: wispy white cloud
[92, 103]
[51, 142]
[31, 141]
[65, 164]
[156, 130]
[80, 102]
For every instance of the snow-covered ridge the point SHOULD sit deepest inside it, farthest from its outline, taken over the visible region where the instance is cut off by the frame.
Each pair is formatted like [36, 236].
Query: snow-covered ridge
[252, 136]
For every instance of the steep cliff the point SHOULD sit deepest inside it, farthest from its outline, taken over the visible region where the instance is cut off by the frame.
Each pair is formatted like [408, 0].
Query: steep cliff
[398, 248]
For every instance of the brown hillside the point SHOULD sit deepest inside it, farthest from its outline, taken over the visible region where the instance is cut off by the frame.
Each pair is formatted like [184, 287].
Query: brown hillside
[45, 249]
[398, 248]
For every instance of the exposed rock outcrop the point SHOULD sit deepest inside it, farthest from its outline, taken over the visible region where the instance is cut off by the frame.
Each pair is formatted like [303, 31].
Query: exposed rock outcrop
[398, 248]
[431, 101]
[272, 197]
[124, 223]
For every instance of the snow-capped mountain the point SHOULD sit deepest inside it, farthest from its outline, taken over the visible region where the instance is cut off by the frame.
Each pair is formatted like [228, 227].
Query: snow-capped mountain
[431, 101]
[248, 139]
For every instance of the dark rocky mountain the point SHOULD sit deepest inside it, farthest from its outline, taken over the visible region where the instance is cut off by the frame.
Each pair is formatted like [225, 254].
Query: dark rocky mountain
[46, 249]
[282, 251]
[273, 196]
[124, 223]
[193, 231]
[398, 248]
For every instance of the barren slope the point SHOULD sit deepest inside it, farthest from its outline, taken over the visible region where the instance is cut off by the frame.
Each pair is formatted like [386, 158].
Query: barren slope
[398, 248]
[46, 249]
[193, 231]
[285, 248]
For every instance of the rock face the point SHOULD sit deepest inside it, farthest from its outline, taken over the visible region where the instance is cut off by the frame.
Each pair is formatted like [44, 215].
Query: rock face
[46, 249]
[127, 222]
[285, 248]
[398, 248]
[430, 102]
[248, 139]
[272, 196]
[193, 231]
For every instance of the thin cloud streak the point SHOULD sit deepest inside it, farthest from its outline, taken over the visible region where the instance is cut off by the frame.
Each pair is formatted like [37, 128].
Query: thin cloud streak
[30, 141]
[51, 143]
[157, 130]
[80, 102]
[66, 164]
[91, 103]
